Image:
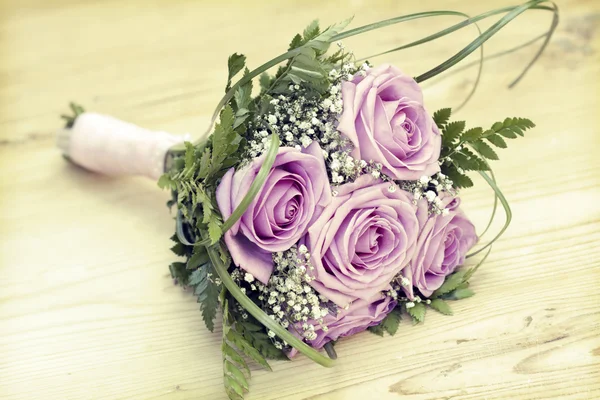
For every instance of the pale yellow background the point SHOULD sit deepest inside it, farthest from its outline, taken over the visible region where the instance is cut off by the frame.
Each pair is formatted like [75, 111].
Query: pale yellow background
[87, 309]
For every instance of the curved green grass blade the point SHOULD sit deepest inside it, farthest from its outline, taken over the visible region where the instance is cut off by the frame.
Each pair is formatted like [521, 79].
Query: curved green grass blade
[472, 271]
[491, 31]
[495, 196]
[441, 34]
[261, 316]
[507, 211]
[542, 47]
[257, 184]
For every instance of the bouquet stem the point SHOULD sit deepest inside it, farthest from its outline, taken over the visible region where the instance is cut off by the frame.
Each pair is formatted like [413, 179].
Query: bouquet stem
[110, 146]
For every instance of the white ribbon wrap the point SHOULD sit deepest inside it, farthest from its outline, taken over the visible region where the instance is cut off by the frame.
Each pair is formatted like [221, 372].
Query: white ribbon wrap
[112, 147]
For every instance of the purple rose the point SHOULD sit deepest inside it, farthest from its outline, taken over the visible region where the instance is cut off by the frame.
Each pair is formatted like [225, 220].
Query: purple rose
[365, 237]
[444, 241]
[294, 194]
[384, 118]
[358, 317]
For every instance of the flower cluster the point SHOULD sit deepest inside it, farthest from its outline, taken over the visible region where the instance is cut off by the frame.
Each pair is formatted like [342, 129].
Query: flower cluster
[355, 217]
[300, 118]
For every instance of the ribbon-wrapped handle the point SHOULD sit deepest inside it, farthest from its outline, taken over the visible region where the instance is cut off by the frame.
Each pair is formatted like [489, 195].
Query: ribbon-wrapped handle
[110, 146]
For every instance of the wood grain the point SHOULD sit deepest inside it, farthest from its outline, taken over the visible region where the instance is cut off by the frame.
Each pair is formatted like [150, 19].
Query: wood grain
[87, 309]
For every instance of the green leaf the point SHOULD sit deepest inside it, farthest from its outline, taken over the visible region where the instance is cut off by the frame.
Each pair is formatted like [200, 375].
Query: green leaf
[265, 81]
[497, 141]
[481, 164]
[208, 297]
[249, 350]
[198, 258]
[235, 372]
[165, 182]
[451, 283]
[311, 31]
[472, 135]
[243, 95]
[417, 312]
[459, 180]
[198, 276]
[377, 330]
[322, 41]
[235, 64]
[465, 161]
[391, 322]
[441, 306]
[179, 249]
[459, 294]
[179, 272]
[256, 336]
[204, 164]
[485, 150]
[214, 230]
[452, 131]
[190, 154]
[511, 128]
[294, 44]
[232, 385]
[234, 356]
[441, 117]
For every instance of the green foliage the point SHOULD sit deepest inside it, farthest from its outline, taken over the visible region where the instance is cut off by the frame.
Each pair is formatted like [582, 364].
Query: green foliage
[442, 116]
[377, 329]
[456, 156]
[391, 321]
[235, 368]
[255, 334]
[389, 324]
[198, 258]
[247, 348]
[179, 272]
[203, 282]
[310, 67]
[76, 110]
[459, 294]
[452, 282]
[441, 306]
[235, 64]
[451, 132]
[165, 182]
[417, 312]
[455, 287]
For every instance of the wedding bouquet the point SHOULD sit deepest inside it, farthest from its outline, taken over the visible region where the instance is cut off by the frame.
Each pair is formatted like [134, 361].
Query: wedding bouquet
[321, 205]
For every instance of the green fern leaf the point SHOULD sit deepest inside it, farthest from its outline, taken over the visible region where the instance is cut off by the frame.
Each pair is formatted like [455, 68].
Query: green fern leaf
[311, 31]
[459, 179]
[417, 312]
[441, 117]
[376, 329]
[472, 135]
[452, 282]
[247, 348]
[473, 158]
[233, 371]
[294, 44]
[208, 295]
[497, 141]
[441, 306]
[452, 132]
[392, 321]
[256, 336]
[234, 356]
[485, 150]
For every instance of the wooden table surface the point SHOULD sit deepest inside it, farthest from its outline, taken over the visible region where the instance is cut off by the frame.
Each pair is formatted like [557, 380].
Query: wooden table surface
[87, 308]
